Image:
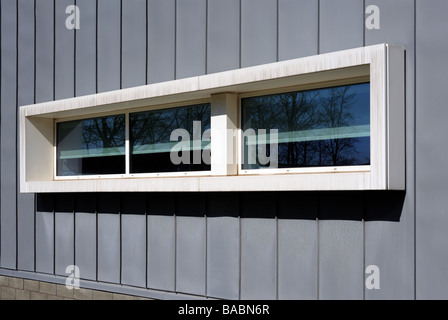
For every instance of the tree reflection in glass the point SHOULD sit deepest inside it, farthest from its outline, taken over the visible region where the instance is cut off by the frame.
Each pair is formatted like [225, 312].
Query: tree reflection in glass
[150, 133]
[322, 127]
[91, 146]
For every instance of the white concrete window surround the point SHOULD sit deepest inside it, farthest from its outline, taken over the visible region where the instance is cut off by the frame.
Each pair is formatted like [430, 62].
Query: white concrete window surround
[381, 65]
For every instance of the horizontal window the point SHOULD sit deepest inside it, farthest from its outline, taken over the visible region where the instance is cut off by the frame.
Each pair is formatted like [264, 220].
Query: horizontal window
[91, 146]
[312, 128]
[333, 121]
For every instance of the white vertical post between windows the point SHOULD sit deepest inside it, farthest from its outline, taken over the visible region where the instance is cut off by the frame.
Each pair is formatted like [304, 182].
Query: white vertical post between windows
[224, 116]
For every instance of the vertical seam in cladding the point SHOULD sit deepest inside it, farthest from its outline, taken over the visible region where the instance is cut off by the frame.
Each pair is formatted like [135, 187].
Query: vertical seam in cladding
[318, 26]
[16, 135]
[34, 218]
[276, 245]
[206, 245]
[96, 46]
[35, 33]
[1, 87]
[206, 36]
[74, 229]
[74, 53]
[415, 152]
[240, 246]
[278, 31]
[147, 45]
[96, 234]
[175, 40]
[121, 237]
[54, 50]
[318, 244]
[54, 235]
[146, 226]
[240, 33]
[121, 49]
[363, 28]
[175, 240]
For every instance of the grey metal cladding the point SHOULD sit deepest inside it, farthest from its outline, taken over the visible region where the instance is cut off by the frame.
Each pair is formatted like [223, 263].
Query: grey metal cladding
[223, 35]
[109, 238]
[44, 50]
[133, 241]
[258, 246]
[161, 40]
[64, 232]
[86, 49]
[297, 28]
[25, 82]
[341, 243]
[258, 32]
[384, 240]
[431, 173]
[109, 45]
[133, 47]
[341, 24]
[223, 245]
[44, 247]
[64, 66]
[8, 191]
[86, 234]
[190, 38]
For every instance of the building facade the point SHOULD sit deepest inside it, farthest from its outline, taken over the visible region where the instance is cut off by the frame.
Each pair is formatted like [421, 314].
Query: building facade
[314, 244]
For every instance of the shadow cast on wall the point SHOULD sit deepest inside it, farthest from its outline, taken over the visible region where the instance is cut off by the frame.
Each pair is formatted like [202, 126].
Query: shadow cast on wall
[309, 205]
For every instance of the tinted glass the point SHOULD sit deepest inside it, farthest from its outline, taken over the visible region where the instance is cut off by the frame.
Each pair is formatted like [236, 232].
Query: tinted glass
[91, 146]
[153, 139]
[324, 127]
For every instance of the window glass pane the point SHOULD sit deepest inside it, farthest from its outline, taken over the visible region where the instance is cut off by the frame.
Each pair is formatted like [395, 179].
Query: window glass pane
[170, 140]
[323, 127]
[91, 146]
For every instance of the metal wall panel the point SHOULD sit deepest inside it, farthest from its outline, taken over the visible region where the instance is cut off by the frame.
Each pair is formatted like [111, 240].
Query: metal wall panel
[190, 243]
[133, 241]
[8, 192]
[133, 45]
[191, 26]
[223, 35]
[258, 32]
[431, 186]
[25, 82]
[109, 238]
[64, 66]
[341, 245]
[385, 239]
[64, 232]
[109, 45]
[297, 28]
[258, 246]
[85, 235]
[44, 247]
[161, 40]
[44, 50]
[85, 55]
[223, 245]
[341, 24]
[297, 245]
[161, 241]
